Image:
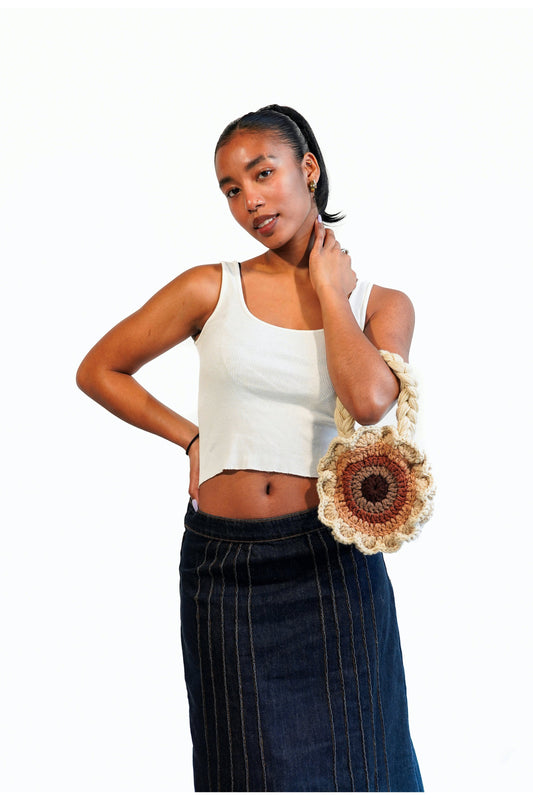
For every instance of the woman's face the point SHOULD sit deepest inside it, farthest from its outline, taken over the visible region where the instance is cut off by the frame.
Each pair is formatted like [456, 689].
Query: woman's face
[267, 189]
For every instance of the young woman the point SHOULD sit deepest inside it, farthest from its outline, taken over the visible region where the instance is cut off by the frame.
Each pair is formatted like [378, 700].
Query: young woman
[290, 642]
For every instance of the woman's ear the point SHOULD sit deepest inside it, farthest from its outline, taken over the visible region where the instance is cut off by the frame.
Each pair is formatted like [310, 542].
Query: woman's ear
[311, 168]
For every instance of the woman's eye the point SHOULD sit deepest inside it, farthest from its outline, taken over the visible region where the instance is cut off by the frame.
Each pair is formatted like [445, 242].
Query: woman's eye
[232, 192]
[265, 173]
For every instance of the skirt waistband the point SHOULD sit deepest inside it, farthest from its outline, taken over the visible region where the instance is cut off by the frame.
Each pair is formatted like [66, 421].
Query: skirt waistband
[252, 530]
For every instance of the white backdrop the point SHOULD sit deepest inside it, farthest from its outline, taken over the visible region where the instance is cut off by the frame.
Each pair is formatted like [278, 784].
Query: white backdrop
[107, 191]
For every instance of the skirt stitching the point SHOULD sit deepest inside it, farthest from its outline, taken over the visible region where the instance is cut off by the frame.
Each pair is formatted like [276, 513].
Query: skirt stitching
[326, 671]
[378, 691]
[355, 667]
[204, 705]
[239, 676]
[250, 541]
[252, 653]
[209, 640]
[224, 673]
[339, 657]
[369, 676]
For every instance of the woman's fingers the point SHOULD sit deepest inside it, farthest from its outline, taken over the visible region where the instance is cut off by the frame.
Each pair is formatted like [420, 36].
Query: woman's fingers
[330, 242]
[325, 239]
[320, 233]
[329, 239]
[194, 471]
[193, 487]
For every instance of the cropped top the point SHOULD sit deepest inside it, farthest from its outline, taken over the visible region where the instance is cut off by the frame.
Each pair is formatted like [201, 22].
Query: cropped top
[266, 401]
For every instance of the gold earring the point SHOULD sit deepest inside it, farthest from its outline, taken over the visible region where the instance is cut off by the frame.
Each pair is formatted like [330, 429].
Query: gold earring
[312, 186]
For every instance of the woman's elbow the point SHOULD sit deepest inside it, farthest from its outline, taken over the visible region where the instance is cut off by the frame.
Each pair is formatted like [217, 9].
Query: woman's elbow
[370, 416]
[87, 376]
[371, 409]
[83, 380]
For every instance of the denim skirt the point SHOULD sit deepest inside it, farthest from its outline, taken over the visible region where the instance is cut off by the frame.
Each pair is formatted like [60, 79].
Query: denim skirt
[292, 660]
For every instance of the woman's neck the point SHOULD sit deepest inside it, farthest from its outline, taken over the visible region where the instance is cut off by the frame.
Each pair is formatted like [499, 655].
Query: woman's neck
[294, 254]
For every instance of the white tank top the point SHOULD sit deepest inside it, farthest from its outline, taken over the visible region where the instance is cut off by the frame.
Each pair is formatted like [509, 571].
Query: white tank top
[266, 401]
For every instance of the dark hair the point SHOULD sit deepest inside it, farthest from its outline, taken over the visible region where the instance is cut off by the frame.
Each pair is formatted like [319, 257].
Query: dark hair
[295, 131]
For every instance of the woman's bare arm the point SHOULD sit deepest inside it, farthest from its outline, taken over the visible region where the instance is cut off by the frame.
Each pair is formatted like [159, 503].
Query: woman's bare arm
[363, 381]
[177, 311]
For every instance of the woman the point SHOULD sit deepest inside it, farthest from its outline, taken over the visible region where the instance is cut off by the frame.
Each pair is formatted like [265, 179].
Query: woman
[291, 649]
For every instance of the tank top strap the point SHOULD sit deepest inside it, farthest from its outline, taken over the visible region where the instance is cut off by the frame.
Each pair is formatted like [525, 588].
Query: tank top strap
[231, 300]
[359, 301]
[232, 272]
[228, 305]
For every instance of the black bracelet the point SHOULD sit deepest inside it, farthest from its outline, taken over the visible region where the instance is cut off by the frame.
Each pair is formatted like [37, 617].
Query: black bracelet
[191, 443]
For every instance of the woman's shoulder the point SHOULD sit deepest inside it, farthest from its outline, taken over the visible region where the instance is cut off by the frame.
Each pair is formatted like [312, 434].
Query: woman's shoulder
[198, 289]
[201, 282]
[204, 275]
[383, 299]
[183, 304]
[390, 320]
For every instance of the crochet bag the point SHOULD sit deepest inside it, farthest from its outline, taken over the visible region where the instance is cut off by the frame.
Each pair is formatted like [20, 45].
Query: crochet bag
[376, 488]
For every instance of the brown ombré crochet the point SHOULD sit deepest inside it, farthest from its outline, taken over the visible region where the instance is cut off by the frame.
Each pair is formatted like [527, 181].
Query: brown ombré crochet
[376, 488]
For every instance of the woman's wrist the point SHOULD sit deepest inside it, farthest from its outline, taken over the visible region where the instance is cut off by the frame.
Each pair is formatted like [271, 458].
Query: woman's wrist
[329, 291]
[188, 448]
[333, 300]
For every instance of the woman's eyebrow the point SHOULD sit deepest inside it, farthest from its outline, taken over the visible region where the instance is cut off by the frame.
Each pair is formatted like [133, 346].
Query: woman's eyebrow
[255, 161]
[250, 165]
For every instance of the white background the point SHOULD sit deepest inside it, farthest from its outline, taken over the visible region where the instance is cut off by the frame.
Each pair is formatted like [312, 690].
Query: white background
[107, 191]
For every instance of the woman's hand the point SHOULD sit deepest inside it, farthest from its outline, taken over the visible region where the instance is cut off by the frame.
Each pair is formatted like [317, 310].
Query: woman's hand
[329, 264]
[194, 470]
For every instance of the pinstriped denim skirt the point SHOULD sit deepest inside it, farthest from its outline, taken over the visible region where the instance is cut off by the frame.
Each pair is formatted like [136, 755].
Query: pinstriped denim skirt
[292, 660]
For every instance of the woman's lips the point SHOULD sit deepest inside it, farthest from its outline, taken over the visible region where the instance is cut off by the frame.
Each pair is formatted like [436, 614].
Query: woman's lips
[265, 223]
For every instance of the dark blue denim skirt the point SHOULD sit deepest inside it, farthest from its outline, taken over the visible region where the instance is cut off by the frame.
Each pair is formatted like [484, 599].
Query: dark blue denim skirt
[292, 659]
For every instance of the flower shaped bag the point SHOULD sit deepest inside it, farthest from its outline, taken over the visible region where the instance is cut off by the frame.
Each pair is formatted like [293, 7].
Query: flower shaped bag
[376, 488]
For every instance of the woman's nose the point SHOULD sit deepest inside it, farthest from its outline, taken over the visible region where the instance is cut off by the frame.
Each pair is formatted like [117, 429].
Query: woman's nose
[253, 202]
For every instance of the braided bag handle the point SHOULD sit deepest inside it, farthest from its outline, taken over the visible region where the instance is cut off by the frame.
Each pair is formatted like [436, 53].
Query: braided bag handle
[375, 486]
[407, 409]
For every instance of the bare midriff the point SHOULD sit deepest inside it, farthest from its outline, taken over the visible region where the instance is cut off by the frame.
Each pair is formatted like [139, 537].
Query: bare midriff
[247, 494]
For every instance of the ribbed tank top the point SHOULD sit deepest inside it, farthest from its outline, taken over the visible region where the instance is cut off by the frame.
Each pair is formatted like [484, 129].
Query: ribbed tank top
[266, 401]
